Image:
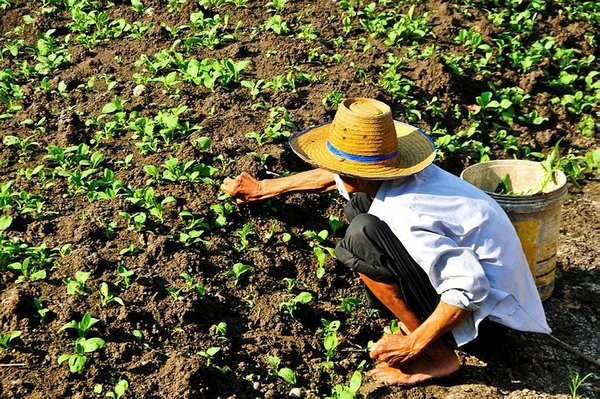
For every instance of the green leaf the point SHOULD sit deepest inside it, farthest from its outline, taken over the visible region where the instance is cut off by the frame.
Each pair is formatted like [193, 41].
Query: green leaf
[39, 275]
[287, 375]
[320, 255]
[330, 342]
[356, 381]
[121, 387]
[63, 357]
[203, 143]
[5, 222]
[77, 363]
[92, 344]
[303, 297]
[152, 170]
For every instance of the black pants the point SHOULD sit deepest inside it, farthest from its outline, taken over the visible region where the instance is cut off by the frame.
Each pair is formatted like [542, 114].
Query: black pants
[371, 248]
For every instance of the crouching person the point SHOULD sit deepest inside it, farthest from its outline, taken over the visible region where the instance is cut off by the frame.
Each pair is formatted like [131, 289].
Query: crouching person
[434, 250]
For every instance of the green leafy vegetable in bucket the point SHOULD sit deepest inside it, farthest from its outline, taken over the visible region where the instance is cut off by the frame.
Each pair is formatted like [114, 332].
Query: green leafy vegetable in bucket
[505, 186]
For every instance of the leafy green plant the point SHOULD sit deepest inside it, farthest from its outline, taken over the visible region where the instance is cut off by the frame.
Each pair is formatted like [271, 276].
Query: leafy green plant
[237, 270]
[278, 125]
[277, 25]
[41, 310]
[575, 381]
[330, 340]
[30, 270]
[209, 354]
[276, 6]
[125, 275]
[78, 359]
[291, 305]
[350, 391]
[290, 283]
[119, 389]
[77, 286]
[222, 210]
[286, 374]
[82, 327]
[243, 234]
[333, 99]
[7, 339]
[255, 87]
[107, 297]
[348, 304]
[320, 249]
[191, 284]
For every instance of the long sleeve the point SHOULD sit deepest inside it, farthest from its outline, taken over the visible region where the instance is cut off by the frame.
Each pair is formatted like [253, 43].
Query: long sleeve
[455, 271]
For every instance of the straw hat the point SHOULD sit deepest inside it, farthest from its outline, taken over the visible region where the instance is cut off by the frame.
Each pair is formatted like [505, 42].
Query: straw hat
[364, 141]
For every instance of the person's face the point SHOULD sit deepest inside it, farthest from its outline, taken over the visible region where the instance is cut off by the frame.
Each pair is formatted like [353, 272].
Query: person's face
[357, 185]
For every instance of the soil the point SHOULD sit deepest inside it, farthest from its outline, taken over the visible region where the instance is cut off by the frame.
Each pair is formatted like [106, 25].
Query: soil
[166, 363]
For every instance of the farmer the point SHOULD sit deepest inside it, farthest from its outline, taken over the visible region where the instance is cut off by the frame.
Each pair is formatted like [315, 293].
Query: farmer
[437, 252]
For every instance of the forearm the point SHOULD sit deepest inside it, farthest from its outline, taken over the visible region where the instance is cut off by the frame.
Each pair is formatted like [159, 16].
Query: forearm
[315, 180]
[442, 320]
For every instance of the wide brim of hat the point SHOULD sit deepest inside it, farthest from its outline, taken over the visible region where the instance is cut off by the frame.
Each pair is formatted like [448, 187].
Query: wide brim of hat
[416, 151]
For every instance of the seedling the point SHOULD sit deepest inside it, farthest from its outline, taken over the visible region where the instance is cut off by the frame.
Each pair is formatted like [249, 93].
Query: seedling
[335, 223]
[333, 99]
[255, 87]
[6, 340]
[271, 232]
[291, 305]
[290, 283]
[78, 359]
[237, 270]
[243, 234]
[125, 275]
[221, 330]
[277, 25]
[107, 297]
[348, 304]
[175, 294]
[202, 143]
[131, 250]
[277, 126]
[575, 381]
[209, 354]
[82, 327]
[317, 241]
[350, 391]
[222, 210]
[77, 286]
[276, 6]
[41, 310]
[30, 270]
[330, 340]
[119, 390]
[191, 285]
[287, 374]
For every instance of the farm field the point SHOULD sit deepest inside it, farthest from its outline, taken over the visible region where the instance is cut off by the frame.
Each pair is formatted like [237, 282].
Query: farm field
[125, 272]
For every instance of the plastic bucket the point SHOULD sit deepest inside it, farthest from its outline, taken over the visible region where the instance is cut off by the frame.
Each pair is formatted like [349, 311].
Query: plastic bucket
[536, 217]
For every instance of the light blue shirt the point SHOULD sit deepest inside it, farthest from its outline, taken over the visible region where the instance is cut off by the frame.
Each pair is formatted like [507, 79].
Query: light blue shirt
[467, 246]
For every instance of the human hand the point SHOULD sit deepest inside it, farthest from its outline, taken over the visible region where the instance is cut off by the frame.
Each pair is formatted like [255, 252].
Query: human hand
[395, 349]
[244, 188]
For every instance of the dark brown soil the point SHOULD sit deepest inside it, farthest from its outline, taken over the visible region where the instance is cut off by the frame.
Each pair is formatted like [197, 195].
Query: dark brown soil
[167, 364]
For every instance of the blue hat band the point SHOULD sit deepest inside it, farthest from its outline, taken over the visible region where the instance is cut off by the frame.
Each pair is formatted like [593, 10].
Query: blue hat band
[360, 158]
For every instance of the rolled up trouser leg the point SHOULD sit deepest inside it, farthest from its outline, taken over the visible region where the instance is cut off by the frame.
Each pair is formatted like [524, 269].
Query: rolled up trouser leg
[371, 248]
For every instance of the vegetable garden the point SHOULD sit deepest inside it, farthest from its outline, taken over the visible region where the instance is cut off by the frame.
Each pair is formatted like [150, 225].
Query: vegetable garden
[125, 272]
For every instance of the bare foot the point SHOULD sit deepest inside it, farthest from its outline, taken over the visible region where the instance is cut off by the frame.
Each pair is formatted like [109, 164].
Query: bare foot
[436, 362]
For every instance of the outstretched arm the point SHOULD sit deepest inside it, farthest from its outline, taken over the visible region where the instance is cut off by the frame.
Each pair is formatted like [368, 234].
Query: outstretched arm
[246, 188]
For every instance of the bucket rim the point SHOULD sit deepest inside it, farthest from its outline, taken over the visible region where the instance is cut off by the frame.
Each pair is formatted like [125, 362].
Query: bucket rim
[558, 191]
